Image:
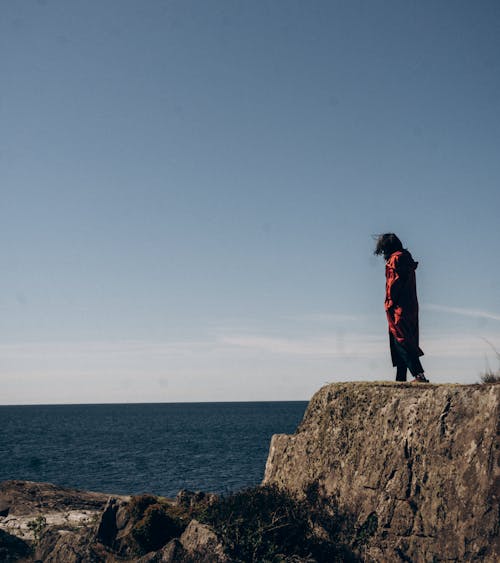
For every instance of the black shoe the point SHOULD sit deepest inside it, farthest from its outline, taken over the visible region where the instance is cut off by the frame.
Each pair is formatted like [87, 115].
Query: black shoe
[420, 378]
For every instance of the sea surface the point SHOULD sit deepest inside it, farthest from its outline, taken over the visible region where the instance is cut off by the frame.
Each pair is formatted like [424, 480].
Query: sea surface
[136, 448]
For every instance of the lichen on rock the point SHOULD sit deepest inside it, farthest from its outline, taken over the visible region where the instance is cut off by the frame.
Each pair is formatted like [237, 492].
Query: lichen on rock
[423, 458]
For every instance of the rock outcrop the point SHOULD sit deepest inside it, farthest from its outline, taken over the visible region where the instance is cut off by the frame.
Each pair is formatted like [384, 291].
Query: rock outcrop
[376, 472]
[43, 522]
[417, 464]
[26, 505]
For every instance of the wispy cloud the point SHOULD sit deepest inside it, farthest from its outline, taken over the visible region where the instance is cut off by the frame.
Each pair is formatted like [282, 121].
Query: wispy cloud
[327, 318]
[336, 345]
[229, 365]
[477, 313]
[456, 345]
[100, 349]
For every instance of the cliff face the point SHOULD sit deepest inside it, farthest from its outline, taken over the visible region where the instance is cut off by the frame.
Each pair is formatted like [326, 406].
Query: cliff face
[419, 462]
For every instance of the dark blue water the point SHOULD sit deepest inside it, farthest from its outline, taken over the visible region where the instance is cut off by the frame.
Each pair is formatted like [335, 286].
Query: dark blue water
[130, 449]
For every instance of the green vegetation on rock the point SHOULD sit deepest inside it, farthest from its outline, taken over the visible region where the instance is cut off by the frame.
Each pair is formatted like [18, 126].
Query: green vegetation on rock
[266, 524]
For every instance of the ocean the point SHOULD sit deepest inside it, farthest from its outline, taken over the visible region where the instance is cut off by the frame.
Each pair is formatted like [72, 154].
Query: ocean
[138, 448]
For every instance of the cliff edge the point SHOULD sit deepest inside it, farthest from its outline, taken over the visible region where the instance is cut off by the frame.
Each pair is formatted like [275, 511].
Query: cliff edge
[417, 465]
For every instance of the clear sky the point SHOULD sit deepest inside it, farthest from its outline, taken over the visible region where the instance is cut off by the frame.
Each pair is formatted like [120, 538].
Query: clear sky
[189, 190]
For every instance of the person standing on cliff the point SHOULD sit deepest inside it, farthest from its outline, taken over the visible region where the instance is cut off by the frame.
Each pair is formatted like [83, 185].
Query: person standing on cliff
[401, 306]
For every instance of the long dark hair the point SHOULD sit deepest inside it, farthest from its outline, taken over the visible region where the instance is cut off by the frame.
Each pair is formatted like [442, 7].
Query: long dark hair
[387, 244]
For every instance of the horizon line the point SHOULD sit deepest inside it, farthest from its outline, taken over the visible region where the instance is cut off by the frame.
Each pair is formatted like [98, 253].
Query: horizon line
[152, 403]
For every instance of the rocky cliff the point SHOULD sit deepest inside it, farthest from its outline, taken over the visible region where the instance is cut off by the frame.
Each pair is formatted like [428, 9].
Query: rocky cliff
[376, 472]
[417, 465]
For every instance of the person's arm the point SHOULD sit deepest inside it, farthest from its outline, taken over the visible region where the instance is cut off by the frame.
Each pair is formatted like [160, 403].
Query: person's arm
[397, 280]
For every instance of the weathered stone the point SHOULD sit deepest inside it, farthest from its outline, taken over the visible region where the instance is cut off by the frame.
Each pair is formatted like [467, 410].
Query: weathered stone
[115, 526]
[65, 546]
[60, 507]
[202, 544]
[106, 530]
[173, 552]
[424, 458]
[122, 516]
[28, 497]
[132, 528]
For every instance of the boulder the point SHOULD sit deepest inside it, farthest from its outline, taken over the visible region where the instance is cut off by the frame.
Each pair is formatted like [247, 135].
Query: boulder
[417, 465]
[202, 544]
[173, 552]
[65, 546]
[139, 526]
[113, 520]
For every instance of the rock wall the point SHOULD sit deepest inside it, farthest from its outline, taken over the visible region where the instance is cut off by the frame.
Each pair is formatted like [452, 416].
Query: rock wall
[420, 461]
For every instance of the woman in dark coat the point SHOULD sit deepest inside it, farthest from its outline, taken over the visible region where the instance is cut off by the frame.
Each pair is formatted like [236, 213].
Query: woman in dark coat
[401, 306]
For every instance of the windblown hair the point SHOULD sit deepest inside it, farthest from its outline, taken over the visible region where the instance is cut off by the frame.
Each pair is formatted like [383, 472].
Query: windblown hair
[387, 244]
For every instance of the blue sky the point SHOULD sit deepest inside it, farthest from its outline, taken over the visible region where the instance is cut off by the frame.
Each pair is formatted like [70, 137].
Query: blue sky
[189, 190]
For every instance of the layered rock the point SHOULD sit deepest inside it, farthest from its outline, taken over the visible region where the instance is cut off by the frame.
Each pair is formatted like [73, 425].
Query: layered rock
[417, 464]
[43, 522]
[26, 505]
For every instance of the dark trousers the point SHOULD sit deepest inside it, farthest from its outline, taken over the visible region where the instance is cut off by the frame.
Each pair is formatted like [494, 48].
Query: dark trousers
[405, 361]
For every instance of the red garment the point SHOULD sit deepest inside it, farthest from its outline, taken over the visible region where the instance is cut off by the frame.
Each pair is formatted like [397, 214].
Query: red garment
[401, 303]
